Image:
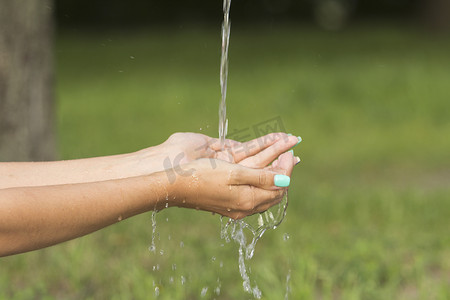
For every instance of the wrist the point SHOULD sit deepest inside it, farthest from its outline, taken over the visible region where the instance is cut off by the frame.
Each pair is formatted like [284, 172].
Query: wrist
[146, 161]
[163, 191]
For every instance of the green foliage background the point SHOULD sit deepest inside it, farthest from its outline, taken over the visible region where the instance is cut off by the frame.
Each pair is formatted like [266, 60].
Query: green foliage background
[369, 204]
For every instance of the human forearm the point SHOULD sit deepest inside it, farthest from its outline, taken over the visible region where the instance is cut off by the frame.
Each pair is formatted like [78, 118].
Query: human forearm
[36, 217]
[23, 174]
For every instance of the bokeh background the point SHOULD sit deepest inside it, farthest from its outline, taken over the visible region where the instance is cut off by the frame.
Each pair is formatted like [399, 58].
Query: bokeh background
[365, 83]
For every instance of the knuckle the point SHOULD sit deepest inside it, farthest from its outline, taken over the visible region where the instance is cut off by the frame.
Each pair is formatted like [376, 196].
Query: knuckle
[237, 175]
[262, 178]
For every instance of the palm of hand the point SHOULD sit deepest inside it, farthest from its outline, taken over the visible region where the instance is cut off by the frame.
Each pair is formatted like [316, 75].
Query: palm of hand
[258, 153]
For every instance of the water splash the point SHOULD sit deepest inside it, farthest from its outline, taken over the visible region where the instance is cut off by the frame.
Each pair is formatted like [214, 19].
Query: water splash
[239, 236]
[251, 228]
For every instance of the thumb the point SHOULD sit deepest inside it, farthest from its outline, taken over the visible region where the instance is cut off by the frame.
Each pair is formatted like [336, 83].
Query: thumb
[261, 178]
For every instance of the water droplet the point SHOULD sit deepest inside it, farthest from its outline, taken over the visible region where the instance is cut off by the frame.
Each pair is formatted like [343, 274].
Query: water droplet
[204, 291]
[174, 267]
[213, 258]
[152, 248]
[171, 279]
[132, 57]
[167, 204]
[201, 129]
[183, 280]
[286, 237]
[156, 291]
[161, 252]
[217, 291]
[228, 209]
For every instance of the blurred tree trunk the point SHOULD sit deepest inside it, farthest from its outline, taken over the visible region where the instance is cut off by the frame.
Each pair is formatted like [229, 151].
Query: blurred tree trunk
[437, 14]
[26, 80]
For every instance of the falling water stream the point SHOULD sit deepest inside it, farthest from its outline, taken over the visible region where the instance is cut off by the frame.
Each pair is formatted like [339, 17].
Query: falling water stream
[248, 231]
[226, 27]
[245, 232]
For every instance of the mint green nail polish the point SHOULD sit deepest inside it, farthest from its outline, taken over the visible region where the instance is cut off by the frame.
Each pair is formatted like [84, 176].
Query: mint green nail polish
[291, 151]
[282, 180]
[299, 140]
[289, 134]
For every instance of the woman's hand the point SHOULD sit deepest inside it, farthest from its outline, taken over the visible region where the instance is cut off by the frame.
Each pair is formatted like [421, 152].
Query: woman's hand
[230, 189]
[182, 148]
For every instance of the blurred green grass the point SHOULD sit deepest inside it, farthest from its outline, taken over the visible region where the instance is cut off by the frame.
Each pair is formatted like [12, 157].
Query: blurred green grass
[369, 204]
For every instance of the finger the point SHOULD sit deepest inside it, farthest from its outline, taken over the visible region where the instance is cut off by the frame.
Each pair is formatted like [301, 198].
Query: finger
[259, 200]
[262, 178]
[257, 145]
[273, 165]
[265, 157]
[216, 144]
[267, 199]
[285, 164]
[268, 204]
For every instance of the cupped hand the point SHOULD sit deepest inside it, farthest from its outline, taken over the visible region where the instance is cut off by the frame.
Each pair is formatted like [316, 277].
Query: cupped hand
[181, 148]
[229, 189]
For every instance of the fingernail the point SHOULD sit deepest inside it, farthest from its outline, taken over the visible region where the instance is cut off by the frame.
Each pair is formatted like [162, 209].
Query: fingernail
[289, 134]
[282, 180]
[291, 151]
[297, 159]
[299, 140]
